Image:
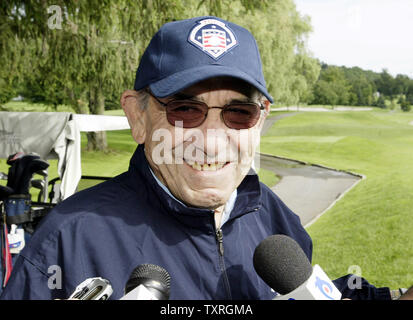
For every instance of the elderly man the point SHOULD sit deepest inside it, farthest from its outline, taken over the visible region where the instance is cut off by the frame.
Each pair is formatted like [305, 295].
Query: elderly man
[189, 202]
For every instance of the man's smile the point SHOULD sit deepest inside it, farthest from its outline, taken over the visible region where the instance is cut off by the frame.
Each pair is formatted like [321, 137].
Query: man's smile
[215, 166]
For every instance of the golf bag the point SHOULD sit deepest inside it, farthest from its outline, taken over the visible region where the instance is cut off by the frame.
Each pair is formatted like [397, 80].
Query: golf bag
[19, 215]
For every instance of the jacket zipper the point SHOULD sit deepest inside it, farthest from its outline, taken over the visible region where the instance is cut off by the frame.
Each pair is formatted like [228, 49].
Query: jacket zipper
[220, 242]
[219, 238]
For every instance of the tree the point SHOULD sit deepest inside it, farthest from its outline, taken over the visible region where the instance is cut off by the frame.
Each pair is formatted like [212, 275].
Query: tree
[362, 87]
[363, 90]
[405, 106]
[385, 84]
[14, 58]
[401, 84]
[332, 88]
[324, 93]
[306, 71]
[409, 94]
[281, 34]
[83, 51]
[381, 102]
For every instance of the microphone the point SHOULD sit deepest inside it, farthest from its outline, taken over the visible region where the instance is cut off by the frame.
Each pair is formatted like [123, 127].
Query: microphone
[92, 289]
[283, 265]
[148, 282]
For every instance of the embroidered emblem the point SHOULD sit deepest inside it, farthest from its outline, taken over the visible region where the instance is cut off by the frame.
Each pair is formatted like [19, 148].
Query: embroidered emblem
[212, 37]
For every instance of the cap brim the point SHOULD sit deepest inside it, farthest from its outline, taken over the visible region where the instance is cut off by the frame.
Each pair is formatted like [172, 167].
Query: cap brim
[184, 79]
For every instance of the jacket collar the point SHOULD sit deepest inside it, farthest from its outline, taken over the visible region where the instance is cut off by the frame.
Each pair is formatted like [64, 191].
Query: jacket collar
[248, 197]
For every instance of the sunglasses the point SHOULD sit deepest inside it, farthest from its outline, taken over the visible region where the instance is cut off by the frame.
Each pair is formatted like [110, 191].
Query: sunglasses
[192, 113]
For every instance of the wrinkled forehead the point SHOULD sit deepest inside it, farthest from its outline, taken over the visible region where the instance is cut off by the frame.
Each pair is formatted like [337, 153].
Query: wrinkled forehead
[244, 89]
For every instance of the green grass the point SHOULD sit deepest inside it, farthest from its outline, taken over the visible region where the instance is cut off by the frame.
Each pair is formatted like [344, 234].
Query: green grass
[268, 177]
[22, 106]
[121, 147]
[372, 226]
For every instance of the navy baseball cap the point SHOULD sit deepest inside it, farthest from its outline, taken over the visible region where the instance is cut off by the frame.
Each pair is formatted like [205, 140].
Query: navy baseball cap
[186, 52]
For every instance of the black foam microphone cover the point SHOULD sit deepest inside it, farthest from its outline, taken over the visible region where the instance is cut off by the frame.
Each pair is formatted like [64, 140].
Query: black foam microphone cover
[155, 278]
[281, 263]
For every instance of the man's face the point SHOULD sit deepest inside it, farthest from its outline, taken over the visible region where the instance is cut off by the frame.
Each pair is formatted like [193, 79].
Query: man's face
[201, 166]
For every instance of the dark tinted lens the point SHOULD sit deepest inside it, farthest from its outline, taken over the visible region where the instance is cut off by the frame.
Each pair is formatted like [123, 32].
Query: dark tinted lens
[241, 116]
[191, 113]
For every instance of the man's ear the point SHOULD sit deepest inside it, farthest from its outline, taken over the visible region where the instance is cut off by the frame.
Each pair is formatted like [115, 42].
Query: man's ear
[135, 114]
[267, 108]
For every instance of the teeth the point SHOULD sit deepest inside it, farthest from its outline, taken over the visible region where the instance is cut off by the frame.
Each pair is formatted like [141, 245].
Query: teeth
[207, 166]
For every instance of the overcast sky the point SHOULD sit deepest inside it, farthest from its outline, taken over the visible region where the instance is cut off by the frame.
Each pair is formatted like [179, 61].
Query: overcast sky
[370, 34]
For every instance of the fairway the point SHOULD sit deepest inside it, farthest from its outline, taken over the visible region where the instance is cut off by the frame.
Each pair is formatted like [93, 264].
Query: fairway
[372, 226]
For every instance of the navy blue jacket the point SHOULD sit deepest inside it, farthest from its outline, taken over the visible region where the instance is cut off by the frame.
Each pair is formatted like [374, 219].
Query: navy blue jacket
[108, 230]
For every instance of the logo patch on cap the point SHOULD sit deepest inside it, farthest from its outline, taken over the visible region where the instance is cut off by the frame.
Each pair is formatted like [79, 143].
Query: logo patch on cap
[212, 37]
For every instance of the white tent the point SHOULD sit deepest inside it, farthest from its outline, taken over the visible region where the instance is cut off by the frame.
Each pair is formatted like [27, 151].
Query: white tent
[53, 135]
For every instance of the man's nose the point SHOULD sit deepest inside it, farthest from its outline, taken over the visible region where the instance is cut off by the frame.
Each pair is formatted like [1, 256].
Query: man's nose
[213, 120]
[215, 133]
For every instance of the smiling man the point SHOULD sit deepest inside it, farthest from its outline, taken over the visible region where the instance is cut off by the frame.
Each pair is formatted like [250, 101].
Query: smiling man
[190, 201]
[200, 146]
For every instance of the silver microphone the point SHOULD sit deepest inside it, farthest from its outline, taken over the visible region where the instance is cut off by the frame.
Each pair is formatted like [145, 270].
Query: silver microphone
[93, 289]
